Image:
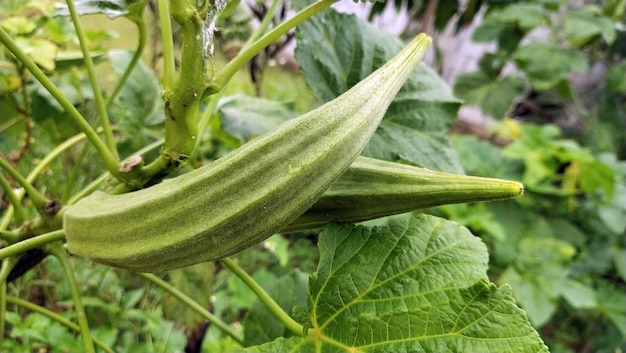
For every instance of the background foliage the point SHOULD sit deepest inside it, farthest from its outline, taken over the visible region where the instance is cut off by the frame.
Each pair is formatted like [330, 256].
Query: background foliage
[417, 280]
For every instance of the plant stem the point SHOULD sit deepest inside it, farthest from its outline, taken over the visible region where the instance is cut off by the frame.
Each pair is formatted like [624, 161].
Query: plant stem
[214, 320]
[8, 236]
[107, 156]
[57, 250]
[15, 201]
[250, 51]
[31, 243]
[3, 309]
[96, 183]
[182, 102]
[167, 41]
[36, 197]
[141, 26]
[39, 168]
[54, 316]
[214, 100]
[280, 314]
[101, 105]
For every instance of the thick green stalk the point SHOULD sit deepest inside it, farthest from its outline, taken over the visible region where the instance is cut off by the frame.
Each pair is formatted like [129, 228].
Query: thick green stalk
[214, 320]
[91, 71]
[278, 312]
[182, 103]
[57, 250]
[54, 316]
[107, 156]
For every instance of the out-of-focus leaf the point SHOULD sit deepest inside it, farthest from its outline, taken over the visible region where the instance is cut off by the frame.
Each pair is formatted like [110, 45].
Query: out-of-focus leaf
[616, 78]
[540, 275]
[245, 117]
[547, 64]
[42, 51]
[192, 281]
[288, 291]
[110, 8]
[493, 96]
[510, 24]
[611, 303]
[18, 25]
[583, 26]
[415, 124]
[138, 107]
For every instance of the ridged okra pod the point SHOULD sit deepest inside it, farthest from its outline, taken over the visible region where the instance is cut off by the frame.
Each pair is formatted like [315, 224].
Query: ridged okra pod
[373, 188]
[244, 197]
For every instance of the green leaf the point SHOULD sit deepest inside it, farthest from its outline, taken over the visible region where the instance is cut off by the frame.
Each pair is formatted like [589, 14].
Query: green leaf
[509, 25]
[416, 285]
[583, 26]
[494, 96]
[616, 78]
[539, 275]
[192, 281]
[19, 25]
[611, 302]
[547, 64]
[42, 51]
[139, 106]
[288, 291]
[245, 117]
[415, 124]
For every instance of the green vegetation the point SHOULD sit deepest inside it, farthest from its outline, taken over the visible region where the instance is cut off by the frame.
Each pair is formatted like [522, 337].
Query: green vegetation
[545, 271]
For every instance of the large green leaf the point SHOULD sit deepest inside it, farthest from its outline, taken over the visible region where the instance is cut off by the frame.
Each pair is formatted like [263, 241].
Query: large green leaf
[417, 285]
[414, 126]
[138, 109]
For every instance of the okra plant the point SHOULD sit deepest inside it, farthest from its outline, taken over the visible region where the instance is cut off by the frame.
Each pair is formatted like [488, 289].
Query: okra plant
[161, 175]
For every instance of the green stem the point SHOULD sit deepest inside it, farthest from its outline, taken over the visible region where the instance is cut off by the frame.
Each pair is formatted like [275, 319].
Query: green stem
[13, 199]
[264, 24]
[249, 52]
[214, 320]
[93, 186]
[36, 197]
[214, 100]
[141, 26]
[31, 243]
[280, 314]
[167, 41]
[56, 317]
[101, 105]
[8, 236]
[6, 268]
[39, 168]
[77, 170]
[57, 250]
[107, 156]
[3, 309]
[182, 102]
